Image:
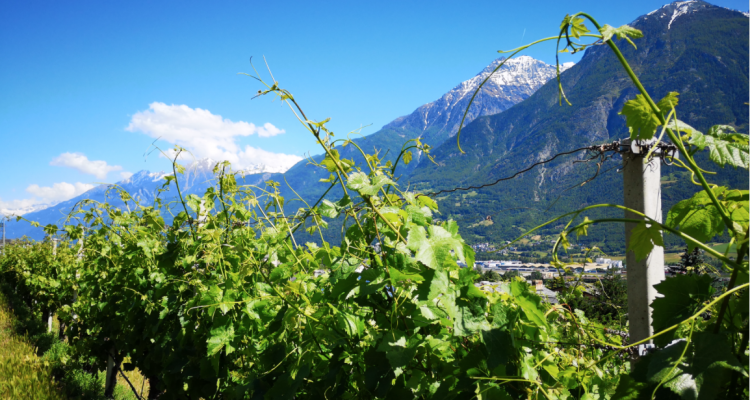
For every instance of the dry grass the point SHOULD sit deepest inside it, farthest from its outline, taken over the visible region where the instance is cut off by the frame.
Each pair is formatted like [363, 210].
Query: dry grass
[140, 383]
[22, 374]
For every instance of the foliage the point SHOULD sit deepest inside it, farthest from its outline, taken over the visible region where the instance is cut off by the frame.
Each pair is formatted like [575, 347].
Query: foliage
[536, 276]
[510, 274]
[75, 375]
[701, 338]
[607, 305]
[227, 302]
[691, 262]
[489, 276]
[499, 145]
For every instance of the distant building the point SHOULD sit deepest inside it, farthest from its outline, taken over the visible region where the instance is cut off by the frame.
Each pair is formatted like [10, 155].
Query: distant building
[509, 263]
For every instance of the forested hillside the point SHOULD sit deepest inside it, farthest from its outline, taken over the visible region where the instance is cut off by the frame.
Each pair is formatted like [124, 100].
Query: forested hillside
[703, 55]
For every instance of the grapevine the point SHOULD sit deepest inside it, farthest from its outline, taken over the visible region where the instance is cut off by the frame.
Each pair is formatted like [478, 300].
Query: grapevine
[226, 302]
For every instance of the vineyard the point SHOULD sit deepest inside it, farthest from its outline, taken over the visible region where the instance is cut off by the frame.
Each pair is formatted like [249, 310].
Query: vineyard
[225, 302]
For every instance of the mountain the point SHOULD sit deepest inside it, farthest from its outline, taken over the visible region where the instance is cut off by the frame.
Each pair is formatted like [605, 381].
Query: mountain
[694, 48]
[25, 209]
[514, 82]
[143, 186]
[437, 121]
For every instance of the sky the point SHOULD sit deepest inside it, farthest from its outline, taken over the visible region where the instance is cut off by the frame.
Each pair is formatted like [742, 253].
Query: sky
[93, 91]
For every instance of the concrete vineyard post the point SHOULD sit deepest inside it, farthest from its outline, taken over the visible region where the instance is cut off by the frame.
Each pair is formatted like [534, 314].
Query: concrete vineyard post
[642, 192]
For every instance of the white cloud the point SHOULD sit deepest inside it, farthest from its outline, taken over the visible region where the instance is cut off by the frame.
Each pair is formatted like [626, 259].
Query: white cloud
[207, 135]
[58, 192]
[20, 207]
[44, 196]
[125, 174]
[79, 161]
[276, 162]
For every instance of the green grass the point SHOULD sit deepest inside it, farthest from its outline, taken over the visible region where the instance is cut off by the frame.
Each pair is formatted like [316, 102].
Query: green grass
[721, 248]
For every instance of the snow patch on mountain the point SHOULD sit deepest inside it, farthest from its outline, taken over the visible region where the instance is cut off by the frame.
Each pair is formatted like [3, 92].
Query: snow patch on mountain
[206, 166]
[677, 9]
[516, 80]
[10, 212]
[681, 8]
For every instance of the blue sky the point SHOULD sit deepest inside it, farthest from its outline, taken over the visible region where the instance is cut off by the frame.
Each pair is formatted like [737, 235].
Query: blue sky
[87, 85]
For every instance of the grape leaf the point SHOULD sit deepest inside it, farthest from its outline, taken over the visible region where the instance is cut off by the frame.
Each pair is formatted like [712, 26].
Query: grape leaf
[682, 296]
[641, 119]
[643, 238]
[663, 366]
[576, 25]
[530, 303]
[435, 284]
[222, 335]
[329, 162]
[427, 202]
[697, 217]
[669, 102]
[433, 252]
[360, 182]
[624, 32]
[726, 146]
[407, 157]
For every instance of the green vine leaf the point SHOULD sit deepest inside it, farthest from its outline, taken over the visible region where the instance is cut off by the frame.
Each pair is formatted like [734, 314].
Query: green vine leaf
[682, 296]
[530, 303]
[713, 362]
[360, 182]
[641, 119]
[666, 365]
[576, 25]
[623, 32]
[669, 102]
[407, 157]
[697, 217]
[726, 146]
[222, 335]
[643, 238]
[582, 229]
[433, 251]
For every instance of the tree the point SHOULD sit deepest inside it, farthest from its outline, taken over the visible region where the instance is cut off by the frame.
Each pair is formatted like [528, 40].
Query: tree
[510, 275]
[691, 262]
[491, 276]
[536, 276]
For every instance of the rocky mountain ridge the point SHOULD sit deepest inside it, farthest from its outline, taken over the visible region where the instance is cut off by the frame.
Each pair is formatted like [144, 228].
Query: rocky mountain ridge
[514, 82]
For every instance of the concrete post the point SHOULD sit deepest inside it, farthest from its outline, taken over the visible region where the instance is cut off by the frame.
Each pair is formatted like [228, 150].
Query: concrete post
[110, 379]
[642, 191]
[49, 316]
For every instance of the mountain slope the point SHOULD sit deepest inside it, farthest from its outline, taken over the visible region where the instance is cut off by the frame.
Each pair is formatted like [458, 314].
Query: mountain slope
[142, 186]
[514, 82]
[693, 48]
[435, 122]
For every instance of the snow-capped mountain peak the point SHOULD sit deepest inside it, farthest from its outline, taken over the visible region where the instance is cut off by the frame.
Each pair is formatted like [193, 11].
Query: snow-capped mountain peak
[671, 12]
[516, 80]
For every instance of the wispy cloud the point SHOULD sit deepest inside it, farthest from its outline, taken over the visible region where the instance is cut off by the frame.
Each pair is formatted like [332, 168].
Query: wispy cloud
[43, 196]
[58, 192]
[80, 162]
[125, 174]
[208, 135]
